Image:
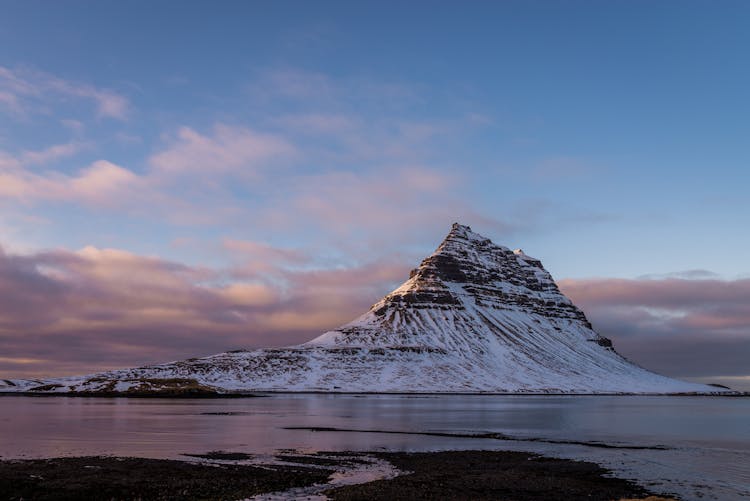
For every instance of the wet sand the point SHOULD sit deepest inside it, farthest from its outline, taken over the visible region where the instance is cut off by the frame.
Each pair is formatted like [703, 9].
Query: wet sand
[435, 475]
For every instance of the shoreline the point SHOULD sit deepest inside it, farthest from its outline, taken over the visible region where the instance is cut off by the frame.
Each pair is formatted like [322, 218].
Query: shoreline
[464, 474]
[265, 393]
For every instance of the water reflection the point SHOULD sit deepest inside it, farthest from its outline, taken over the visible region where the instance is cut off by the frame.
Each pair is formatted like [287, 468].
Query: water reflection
[709, 438]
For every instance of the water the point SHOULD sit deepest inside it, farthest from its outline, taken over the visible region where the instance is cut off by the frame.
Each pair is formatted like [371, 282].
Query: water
[704, 454]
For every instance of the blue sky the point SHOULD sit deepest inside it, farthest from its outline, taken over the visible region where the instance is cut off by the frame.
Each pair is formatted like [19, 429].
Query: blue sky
[609, 139]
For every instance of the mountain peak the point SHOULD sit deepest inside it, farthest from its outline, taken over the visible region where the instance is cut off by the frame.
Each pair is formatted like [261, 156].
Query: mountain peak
[463, 232]
[461, 240]
[460, 228]
[466, 273]
[473, 317]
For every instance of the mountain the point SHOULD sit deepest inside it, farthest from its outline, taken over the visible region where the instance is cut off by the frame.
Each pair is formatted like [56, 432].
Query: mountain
[473, 317]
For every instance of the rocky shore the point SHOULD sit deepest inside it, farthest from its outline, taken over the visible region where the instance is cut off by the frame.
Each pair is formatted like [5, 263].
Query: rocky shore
[226, 475]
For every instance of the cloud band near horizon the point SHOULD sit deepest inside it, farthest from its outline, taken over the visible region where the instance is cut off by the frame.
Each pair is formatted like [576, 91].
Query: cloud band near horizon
[70, 312]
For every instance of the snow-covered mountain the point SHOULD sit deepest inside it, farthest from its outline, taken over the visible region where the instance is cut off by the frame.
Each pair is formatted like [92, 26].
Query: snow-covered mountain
[473, 317]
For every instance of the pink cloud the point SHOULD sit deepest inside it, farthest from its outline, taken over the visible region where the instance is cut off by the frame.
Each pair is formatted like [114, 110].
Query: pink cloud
[168, 186]
[379, 207]
[668, 293]
[9, 162]
[263, 252]
[52, 153]
[257, 258]
[229, 149]
[11, 102]
[387, 197]
[682, 327]
[100, 184]
[363, 172]
[67, 312]
[23, 90]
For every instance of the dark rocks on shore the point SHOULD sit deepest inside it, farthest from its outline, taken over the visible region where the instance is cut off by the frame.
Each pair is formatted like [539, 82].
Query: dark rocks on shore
[107, 478]
[491, 475]
[452, 475]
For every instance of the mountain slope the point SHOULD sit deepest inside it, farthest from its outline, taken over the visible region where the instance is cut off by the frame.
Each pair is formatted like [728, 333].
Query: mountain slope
[474, 317]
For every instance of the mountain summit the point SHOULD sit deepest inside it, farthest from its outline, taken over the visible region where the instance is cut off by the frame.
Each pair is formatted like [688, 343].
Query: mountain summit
[456, 292]
[473, 317]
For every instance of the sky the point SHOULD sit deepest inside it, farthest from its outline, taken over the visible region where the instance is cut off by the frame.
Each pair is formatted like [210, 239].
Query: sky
[181, 179]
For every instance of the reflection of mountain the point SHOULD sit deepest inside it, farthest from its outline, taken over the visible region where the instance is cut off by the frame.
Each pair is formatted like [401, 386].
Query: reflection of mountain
[474, 317]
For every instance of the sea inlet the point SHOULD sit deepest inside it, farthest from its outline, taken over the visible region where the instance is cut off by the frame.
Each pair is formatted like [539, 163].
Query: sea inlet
[692, 447]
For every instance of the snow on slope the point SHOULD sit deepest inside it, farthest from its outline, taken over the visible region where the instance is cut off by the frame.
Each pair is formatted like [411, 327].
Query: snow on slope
[474, 317]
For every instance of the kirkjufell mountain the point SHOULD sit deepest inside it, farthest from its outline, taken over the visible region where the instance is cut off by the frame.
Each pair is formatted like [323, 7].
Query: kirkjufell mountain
[474, 317]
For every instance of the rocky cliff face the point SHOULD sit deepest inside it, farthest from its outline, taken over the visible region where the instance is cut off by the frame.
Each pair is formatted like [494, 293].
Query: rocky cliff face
[473, 317]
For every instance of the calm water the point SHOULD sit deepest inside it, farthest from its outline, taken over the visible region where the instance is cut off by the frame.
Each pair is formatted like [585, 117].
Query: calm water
[707, 439]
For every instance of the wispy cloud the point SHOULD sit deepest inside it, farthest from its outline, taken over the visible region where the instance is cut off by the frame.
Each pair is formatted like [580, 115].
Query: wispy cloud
[342, 155]
[216, 159]
[24, 90]
[236, 150]
[52, 153]
[314, 91]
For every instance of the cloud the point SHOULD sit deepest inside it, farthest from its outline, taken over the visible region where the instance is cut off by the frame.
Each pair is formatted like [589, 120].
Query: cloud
[9, 162]
[235, 150]
[67, 312]
[370, 212]
[72, 312]
[353, 176]
[686, 274]
[52, 153]
[101, 184]
[681, 327]
[692, 297]
[263, 252]
[388, 197]
[366, 214]
[17, 164]
[25, 90]
[10, 101]
[169, 183]
[75, 126]
[256, 258]
[315, 92]
[345, 149]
